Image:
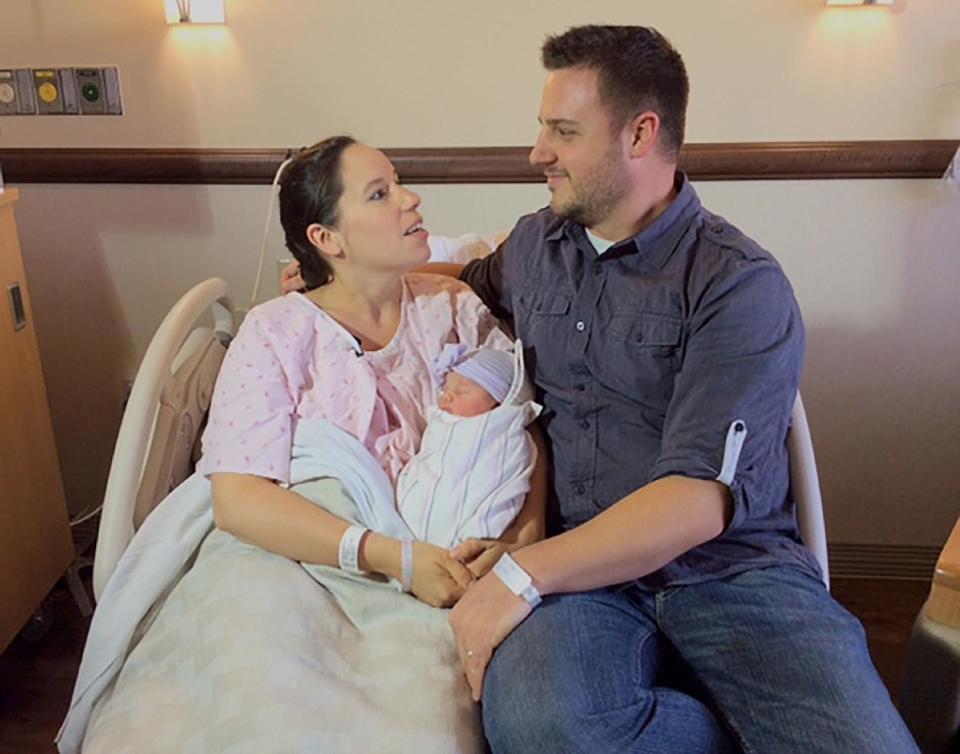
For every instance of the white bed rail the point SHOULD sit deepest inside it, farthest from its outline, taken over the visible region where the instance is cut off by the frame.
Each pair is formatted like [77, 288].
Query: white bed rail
[805, 484]
[177, 342]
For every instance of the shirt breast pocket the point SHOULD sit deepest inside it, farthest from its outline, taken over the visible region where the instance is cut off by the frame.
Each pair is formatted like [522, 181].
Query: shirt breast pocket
[540, 311]
[641, 353]
[539, 318]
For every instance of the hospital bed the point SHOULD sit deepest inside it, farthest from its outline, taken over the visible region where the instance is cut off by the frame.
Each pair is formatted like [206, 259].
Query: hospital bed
[157, 449]
[158, 445]
[158, 442]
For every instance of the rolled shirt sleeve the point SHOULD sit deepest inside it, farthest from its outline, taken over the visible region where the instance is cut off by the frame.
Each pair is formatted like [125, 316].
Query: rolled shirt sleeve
[728, 417]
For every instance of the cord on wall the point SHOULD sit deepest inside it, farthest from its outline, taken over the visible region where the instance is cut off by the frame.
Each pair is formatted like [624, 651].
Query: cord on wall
[266, 231]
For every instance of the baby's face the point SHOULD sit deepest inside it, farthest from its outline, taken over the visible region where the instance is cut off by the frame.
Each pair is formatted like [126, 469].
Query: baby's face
[464, 397]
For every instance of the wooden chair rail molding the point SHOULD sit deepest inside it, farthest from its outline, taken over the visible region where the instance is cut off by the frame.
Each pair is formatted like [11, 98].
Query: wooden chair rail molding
[703, 162]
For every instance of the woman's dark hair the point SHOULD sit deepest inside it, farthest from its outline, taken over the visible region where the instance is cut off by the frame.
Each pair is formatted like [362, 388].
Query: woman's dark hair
[637, 70]
[310, 190]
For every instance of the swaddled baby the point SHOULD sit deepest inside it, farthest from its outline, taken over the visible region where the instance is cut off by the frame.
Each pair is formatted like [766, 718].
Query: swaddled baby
[473, 470]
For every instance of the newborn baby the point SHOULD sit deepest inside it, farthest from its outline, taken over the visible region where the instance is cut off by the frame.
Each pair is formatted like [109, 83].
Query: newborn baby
[477, 384]
[473, 470]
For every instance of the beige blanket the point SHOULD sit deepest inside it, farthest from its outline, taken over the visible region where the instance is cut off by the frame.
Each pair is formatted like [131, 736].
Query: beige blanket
[250, 652]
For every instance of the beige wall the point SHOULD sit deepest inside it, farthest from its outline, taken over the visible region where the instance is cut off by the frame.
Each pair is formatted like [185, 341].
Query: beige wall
[875, 264]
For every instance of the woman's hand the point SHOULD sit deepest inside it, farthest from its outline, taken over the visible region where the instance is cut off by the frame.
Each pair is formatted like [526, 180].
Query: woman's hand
[438, 579]
[480, 555]
[290, 279]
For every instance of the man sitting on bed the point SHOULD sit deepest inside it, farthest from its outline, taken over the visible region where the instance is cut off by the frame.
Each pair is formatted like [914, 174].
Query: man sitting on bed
[680, 610]
[666, 347]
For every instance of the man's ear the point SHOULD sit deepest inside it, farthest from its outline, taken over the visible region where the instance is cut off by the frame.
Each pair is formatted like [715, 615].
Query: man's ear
[643, 130]
[325, 240]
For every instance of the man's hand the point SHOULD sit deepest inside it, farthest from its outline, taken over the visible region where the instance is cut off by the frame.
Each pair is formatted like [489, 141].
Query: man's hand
[481, 620]
[290, 279]
[479, 555]
[438, 579]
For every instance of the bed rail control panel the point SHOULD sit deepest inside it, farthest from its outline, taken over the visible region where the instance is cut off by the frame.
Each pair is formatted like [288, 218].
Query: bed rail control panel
[16, 306]
[60, 91]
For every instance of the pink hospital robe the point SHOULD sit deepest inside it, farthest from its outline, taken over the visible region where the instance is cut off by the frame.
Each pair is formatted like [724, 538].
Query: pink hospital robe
[290, 360]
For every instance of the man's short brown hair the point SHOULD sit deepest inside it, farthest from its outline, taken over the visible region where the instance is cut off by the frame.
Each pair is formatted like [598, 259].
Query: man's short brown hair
[637, 70]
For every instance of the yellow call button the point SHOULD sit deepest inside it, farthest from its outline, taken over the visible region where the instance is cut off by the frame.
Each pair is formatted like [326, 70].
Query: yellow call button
[47, 92]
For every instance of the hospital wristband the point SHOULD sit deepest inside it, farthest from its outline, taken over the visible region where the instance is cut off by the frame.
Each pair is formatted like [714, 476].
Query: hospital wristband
[349, 551]
[517, 580]
[406, 565]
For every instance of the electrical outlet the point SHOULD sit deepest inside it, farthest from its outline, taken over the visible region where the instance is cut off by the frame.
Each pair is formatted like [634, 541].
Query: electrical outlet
[49, 95]
[16, 92]
[93, 95]
[8, 93]
[60, 91]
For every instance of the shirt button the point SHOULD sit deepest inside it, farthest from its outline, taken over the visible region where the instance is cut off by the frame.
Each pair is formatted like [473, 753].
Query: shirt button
[580, 489]
[585, 424]
[581, 326]
[597, 268]
[580, 386]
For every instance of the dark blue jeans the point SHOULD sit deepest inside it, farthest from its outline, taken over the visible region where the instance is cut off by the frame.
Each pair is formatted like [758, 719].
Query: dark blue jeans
[762, 662]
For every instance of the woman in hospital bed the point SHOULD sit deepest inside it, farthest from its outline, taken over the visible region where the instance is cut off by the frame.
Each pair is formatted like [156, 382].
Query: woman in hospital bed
[245, 653]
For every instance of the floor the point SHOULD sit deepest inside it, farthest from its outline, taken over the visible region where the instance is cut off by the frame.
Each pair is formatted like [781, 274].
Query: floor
[36, 677]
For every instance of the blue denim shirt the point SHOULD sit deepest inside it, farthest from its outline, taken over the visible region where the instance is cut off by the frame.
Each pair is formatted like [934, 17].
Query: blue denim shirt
[675, 352]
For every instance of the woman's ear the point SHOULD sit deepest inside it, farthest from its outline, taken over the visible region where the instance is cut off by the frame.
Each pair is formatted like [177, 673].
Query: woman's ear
[325, 240]
[643, 131]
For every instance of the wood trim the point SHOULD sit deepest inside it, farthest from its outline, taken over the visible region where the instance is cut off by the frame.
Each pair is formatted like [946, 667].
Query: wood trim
[9, 196]
[877, 561]
[702, 162]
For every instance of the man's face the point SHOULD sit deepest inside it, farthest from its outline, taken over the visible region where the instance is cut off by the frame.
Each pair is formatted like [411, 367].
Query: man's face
[583, 159]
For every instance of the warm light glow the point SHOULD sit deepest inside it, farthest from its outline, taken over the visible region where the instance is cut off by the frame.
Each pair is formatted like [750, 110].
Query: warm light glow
[859, 2]
[844, 33]
[194, 11]
[201, 39]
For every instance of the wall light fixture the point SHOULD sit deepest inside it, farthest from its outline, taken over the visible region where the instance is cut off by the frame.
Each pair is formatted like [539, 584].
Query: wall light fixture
[860, 2]
[194, 11]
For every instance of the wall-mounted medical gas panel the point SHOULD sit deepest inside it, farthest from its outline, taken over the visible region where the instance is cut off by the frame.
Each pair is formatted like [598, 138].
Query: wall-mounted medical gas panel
[60, 91]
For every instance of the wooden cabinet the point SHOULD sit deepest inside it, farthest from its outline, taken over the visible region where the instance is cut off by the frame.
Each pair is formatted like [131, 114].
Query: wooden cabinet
[35, 543]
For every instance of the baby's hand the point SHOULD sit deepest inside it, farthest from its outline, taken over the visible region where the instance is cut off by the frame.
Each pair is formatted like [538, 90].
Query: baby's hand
[479, 555]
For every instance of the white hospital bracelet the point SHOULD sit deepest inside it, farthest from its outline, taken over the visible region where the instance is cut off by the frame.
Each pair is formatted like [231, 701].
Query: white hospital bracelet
[517, 580]
[349, 553]
[406, 565]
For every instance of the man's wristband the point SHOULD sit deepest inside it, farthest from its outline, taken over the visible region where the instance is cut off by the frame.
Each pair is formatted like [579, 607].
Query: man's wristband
[517, 580]
[349, 551]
